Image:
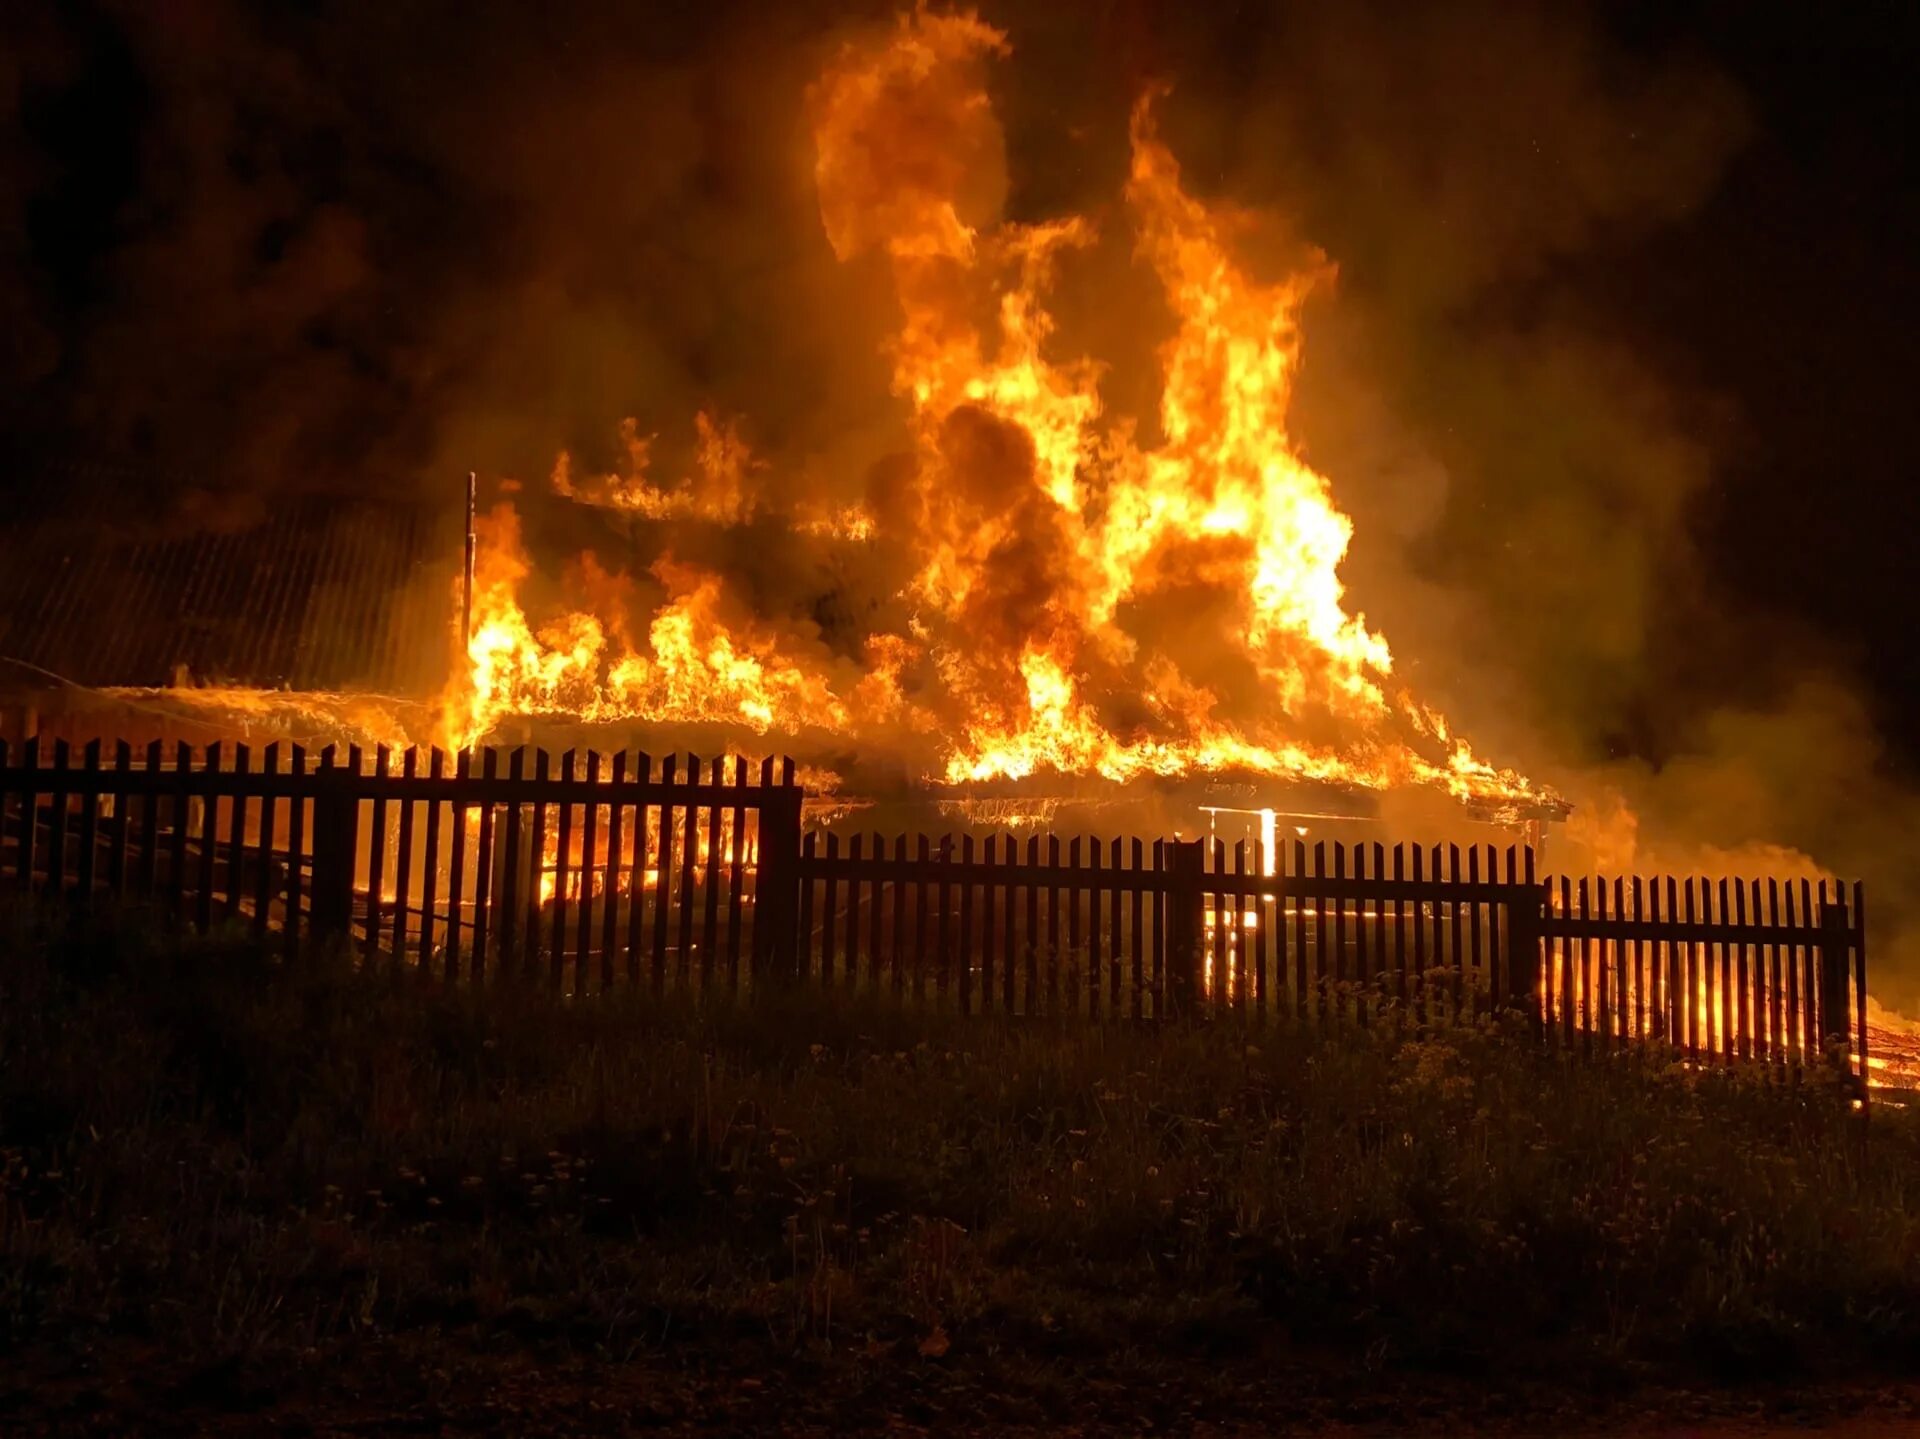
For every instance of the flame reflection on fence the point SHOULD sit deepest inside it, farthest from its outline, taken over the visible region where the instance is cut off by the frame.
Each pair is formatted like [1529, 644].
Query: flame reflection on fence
[610, 871]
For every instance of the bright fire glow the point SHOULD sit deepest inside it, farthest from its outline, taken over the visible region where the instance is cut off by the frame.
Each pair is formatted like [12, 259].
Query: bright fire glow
[1038, 527]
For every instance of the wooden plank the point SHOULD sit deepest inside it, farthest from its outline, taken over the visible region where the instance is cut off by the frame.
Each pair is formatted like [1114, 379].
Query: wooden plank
[483, 873]
[1010, 948]
[1032, 935]
[533, 945]
[1115, 946]
[377, 852]
[901, 958]
[208, 839]
[26, 782]
[989, 926]
[403, 862]
[736, 870]
[1477, 955]
[1743, 978]
[943, 946]
[829, 908]
[1458, 951]
[236, 838]
[264, 851]
[297, 857]
[663, 876]
[1342, 972]
[803, 940]
[1594, 963]
[1810, 986]
[876, 921]
[147, 869]
[1302, 988]
[120, 822]
[917, 897]
[610, 871]
[965, 958]
[1694, 992]
[89, 825]
[1096, 955]
[1770, 974]
[1072, 955]
[562, 879]
[643, 846]
[57, 781]
[506, 914]
[1136, 940]
[1577, 1007]
[6, 807]
[850, 968]
[689, 860]
[1795, 1021]
[710, 915]
[1859, 923]
[1053, 925]
[456, 876]
[181, 817]
[589, 871]
[430, 877]
[1655, 1025]
[1417, 965]
[1157, 981]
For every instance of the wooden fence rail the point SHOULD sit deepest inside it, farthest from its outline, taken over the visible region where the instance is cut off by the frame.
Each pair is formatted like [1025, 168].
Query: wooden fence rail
[611, 870]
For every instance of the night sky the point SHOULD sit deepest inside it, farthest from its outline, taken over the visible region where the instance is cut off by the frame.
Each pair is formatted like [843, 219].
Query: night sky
[251, 249]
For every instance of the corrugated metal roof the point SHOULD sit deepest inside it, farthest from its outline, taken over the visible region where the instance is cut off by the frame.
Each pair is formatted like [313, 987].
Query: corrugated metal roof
[322, 594]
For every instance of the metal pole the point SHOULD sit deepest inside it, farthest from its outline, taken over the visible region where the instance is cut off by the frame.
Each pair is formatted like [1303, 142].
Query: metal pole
[466, 588]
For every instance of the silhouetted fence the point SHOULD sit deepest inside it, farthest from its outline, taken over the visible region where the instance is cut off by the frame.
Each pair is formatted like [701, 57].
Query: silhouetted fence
[613, 871]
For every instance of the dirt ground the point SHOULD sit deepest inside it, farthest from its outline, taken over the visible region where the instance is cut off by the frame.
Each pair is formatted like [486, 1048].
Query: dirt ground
[382, 1388]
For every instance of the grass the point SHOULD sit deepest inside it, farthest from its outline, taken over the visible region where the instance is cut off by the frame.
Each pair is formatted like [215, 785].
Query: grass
[299, 1178]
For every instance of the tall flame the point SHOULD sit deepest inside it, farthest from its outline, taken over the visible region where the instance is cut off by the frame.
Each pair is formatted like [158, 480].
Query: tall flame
[1039, 530]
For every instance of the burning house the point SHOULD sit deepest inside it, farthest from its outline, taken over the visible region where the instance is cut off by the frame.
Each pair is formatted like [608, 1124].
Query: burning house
[1037, 612]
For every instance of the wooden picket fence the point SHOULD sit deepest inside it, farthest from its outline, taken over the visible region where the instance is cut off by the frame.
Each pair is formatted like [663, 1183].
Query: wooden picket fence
[608, 871]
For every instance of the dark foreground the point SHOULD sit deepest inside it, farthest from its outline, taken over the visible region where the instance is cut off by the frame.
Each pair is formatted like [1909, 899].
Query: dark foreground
[238, 1198]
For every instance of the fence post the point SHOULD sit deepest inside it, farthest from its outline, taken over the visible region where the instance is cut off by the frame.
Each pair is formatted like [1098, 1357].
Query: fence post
[336, 833]
[1186, 865]
[1524, 913]
[777, 885]
[1836, 1000]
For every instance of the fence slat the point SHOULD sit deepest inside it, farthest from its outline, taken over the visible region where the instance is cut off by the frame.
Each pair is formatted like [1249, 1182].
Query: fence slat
[563, 869]
[856, 889]
[689, 858]
[589, 871]
[809, 846]
[263, 850]
[403, 861]
[57, 822]
[1860, 981]
[483, 862]
[118, 836]
[663, 873]
[610, 871]
[29, 814]
[964, 996]
[430, 874]
[876, 921]
[89, 825]
[830, 902]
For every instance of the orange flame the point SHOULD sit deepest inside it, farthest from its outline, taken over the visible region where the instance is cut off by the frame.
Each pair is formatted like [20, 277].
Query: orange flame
[1037, 528]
